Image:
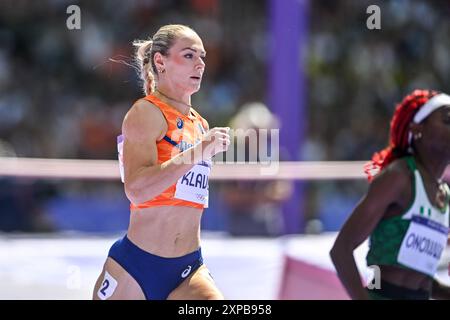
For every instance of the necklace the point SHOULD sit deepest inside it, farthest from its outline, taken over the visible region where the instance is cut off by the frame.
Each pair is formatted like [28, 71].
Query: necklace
[167, 97]
[442, 196]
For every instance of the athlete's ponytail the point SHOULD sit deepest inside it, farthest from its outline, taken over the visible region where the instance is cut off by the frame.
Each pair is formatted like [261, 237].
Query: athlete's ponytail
[142, 56]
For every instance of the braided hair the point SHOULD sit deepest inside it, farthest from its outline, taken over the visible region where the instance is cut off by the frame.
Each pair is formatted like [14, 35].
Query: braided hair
[399, 145]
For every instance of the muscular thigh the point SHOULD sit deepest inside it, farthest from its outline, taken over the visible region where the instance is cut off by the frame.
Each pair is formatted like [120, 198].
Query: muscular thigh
[115, 283]
[198, 286]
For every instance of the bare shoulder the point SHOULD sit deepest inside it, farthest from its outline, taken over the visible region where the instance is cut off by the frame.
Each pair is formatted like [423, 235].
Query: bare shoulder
[394, 182]
[396, 174]
[144, 118]
[390, 187]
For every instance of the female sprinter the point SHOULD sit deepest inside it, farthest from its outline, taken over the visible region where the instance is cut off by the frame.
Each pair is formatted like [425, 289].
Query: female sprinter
[166, 157]
[406, 209]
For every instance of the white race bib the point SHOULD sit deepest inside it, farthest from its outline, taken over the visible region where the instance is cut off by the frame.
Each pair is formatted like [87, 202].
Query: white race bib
[194, 185]
[108, 286]
[423, 245]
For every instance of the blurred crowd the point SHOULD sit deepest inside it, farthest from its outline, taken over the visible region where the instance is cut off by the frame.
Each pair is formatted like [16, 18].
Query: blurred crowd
[62, 97]
[357, 75]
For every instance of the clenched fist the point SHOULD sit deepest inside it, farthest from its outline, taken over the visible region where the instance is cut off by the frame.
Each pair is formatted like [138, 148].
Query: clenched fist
[216, 140]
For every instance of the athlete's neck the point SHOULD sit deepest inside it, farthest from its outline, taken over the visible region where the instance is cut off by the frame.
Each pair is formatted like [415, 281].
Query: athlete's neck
[181, 103]
[432, 166]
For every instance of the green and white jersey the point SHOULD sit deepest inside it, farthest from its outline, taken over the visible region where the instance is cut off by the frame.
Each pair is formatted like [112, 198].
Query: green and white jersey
[415, 239]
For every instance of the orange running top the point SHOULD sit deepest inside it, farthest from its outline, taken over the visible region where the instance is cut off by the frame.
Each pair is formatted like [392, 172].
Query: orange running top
[183, 132]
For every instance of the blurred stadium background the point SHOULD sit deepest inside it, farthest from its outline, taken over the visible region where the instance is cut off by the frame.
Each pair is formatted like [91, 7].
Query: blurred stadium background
[330, 84]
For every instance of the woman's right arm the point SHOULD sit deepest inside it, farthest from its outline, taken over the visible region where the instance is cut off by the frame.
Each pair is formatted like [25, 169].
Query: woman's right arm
[144, 178]
[385, 190]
